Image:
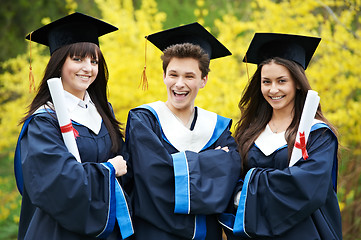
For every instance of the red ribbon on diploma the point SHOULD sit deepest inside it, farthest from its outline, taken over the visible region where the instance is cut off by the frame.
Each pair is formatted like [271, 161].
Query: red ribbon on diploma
[302, 145]
[69, 128]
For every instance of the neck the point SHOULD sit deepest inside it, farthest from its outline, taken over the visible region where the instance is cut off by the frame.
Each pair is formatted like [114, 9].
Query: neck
[280, 121]
[183, 114]
[281, 115]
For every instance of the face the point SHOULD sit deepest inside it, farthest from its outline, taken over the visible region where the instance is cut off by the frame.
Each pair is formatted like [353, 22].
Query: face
[78, 73]
[183, 80]
[278, 87]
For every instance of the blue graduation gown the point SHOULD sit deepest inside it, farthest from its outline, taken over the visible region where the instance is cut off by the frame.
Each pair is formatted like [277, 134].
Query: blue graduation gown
[62, 198]
[177, 194]
[298, 202]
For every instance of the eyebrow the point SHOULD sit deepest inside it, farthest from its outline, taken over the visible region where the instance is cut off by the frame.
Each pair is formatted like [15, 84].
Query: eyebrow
[186, 73]
[276, 78]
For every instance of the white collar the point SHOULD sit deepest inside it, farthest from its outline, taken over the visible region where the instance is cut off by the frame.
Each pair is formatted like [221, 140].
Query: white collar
[179, 135]
[73, 101]
[268, 141]
[83, 112]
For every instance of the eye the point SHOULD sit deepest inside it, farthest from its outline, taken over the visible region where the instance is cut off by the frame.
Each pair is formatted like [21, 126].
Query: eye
[190, 77]
[76, 59]
[95, 62]
[265, 81]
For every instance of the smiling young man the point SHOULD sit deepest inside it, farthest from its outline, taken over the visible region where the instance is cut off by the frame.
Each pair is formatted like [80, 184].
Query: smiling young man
[183, 162]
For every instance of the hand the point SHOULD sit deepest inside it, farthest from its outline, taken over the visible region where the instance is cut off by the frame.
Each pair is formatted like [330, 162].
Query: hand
[119, 164]
[223, 148]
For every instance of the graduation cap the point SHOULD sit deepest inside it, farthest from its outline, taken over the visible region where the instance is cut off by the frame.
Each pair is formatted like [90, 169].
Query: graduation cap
[191, 33]
[296, 48]
[74, 28]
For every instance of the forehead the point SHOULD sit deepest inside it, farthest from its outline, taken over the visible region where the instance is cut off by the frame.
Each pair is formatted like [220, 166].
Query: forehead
[274, 70]
[184, 65]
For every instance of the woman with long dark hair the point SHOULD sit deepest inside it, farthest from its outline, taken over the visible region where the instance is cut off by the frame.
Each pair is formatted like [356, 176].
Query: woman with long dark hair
[276, 200]
[64, 198]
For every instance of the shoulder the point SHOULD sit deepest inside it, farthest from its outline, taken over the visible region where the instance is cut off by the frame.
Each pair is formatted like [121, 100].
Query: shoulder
[44, 113]
[321, 131]
[144, 114]
[143, 110]
[320, 126]
[221, 121]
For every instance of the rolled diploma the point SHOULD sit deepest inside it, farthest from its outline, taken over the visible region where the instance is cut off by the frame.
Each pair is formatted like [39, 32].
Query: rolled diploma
[57, 94]
[307, 117]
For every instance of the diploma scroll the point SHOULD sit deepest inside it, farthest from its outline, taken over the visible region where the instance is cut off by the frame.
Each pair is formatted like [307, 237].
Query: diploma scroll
[307, 117]
[67, 130]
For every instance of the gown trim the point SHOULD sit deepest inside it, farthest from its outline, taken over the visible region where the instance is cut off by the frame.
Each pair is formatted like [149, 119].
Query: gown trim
[219, 126]
[17, 157]
[182, 185]
[239, 223]
[200, 228]
[123, 212]
[109, 226]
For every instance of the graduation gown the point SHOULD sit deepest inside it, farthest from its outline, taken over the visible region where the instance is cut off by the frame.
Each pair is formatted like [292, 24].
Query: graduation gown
[281, 202]
[177, 192]
[62, 198]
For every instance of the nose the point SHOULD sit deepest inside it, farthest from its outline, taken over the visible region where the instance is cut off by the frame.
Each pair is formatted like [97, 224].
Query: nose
[87, 66]
[273, 88]
[180, 82]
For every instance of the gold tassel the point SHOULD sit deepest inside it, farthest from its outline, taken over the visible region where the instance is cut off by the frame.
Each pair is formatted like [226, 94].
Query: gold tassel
[31, 75]
[143, 78]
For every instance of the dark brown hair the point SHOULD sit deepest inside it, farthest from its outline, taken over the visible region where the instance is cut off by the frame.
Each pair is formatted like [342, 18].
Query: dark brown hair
[256, 111]
[187, 50]
[97, 90]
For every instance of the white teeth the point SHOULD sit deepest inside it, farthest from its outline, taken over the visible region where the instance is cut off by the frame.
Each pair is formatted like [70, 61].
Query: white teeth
[84, 77]
[180, 93]
[276, 98]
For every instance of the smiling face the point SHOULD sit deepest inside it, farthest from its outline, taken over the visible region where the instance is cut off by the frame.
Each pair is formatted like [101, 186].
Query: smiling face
[78, 73]
[278, 87]
[183, 79]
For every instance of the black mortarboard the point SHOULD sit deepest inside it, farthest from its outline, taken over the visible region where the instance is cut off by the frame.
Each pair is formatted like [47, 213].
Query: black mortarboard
[76, 27]
[191, 33]
[296, 48]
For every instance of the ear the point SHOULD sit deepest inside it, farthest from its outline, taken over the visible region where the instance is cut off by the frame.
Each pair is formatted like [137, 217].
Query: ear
[164, 75]
[204, 81]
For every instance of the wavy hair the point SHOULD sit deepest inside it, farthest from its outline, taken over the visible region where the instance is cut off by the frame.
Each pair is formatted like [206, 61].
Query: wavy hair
[256, 111]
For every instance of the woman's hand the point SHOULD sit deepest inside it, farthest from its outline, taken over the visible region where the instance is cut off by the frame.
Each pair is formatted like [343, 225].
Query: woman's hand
[119, 164]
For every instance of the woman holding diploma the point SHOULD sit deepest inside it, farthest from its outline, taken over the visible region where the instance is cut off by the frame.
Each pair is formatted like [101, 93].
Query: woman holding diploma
[275, 201]
[64, 198]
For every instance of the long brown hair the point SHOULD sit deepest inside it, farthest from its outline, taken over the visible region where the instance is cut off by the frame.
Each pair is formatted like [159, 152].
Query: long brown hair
[256, 111]
[97, 90]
